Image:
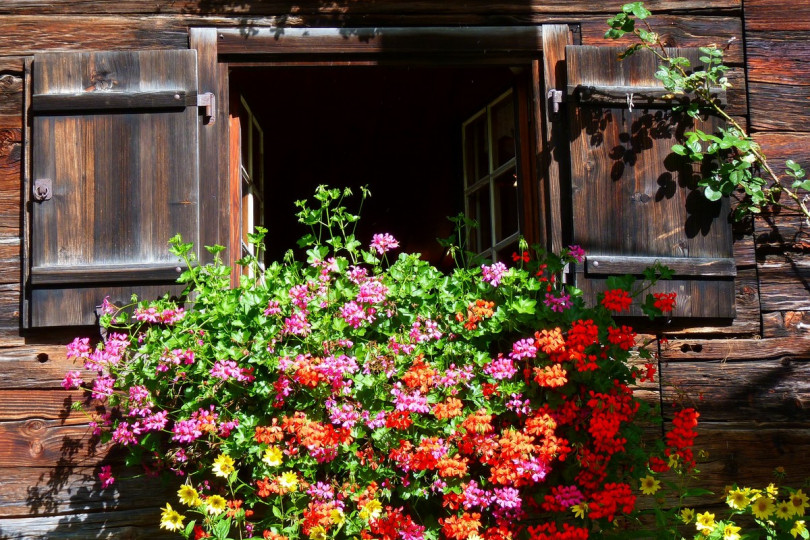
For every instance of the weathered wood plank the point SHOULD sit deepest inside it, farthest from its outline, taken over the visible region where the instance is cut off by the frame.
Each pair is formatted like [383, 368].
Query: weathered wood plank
[783, 15]
[707, 350]
[792, 102]
[748, 455]
[27, 34]
[10, 262]
[746, 323]
[23, 405]
[780, 146]
[760, 391]
[128, 524]
[786, 323]
[777, 233]
[343, 7]
[34, 367]
[784, 282]
[481, 41]
[10, 309]
[33, 491]
[48, 443]
[679, 31]
[778, 56]
[680, 266]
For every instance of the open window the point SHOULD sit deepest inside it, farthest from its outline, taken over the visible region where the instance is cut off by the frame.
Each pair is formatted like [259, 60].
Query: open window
[435, 120]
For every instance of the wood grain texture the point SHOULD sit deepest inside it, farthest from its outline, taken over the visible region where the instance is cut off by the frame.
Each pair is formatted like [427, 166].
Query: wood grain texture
[780, 146]
[783, 15]
[690, 30]
[25, 34]
[761, 391]
[631, 195]
[214, 161]
[48, 443]
[785, 281]
[240, 7]
[123, 182]
[729, 350]
[66, 490]
[126, 524]
[745, 324]
[792, 102]
[555, 150]
[778, 56]
[34, 367]
[738, 453]
[786, 323]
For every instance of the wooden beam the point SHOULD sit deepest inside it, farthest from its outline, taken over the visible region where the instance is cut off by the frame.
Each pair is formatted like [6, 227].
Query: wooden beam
[129, 273]
[515, 41]
[554, 133]
[681, 266]
[103, 101]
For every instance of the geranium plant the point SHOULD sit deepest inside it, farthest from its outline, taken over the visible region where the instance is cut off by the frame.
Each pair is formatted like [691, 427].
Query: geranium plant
[361, 394]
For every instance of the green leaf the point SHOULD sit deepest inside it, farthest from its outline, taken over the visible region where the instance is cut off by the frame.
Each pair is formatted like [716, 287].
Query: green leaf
[711, 194]
[679, 149]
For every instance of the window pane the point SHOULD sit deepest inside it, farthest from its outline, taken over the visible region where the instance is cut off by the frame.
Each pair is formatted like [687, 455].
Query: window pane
[478, 208]
[503, 131]
[506, 204]
[476, 153]
[505, 253]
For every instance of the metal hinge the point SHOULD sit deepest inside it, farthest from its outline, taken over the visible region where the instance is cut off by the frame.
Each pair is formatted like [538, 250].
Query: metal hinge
[208, 101]
[555, 98]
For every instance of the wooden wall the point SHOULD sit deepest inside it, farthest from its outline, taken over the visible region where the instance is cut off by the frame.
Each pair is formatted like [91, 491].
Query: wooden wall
[748, 378]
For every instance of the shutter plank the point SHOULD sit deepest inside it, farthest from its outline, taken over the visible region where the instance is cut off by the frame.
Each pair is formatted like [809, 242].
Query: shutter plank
[124, 179]
[633, 197]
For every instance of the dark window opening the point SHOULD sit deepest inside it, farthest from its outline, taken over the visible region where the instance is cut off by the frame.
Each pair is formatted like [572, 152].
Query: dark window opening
[396, 129]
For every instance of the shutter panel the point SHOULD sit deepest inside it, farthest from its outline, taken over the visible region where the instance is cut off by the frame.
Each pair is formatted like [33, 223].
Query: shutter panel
[114, 139]
[635, 202]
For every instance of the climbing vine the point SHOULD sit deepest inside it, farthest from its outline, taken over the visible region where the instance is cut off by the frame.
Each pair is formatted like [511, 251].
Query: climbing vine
[737, 160]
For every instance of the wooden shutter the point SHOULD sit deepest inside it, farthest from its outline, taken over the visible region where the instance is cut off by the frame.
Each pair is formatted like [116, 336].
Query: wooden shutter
[634, 201]
[114, 176]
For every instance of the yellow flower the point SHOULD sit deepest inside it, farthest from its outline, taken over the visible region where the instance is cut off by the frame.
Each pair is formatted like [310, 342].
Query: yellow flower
[784, 510]
[216, 504]
[317, 533]
[649, 485]
[580, 510]
[338, 517]
[705, 522]
[188, 495]
[673, 461]
[687, 515]
[273, 456]
[223, 466]
[772, 490]
[798, 503]
[288, 481]
[731, 532]
[372, 510]
[798, 529]
[170, 519]
[762, 507]
[737, 499]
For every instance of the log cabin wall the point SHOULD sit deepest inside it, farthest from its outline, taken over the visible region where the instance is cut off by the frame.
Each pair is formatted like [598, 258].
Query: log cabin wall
[748, 378]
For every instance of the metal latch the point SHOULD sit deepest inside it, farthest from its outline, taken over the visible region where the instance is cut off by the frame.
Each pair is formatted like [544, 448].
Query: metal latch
[43, 189]
[208, 101]
[556, 97]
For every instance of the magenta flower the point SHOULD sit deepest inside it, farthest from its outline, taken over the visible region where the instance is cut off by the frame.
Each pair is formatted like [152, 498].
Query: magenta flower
[72, 380]
[558, 303]
[106, 477]
[383, 243]
[493, 274]
[576, 252]
[501, 368]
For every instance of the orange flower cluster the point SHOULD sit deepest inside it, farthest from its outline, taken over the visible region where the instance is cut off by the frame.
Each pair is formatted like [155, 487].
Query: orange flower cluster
[480, 309]
[420, 375]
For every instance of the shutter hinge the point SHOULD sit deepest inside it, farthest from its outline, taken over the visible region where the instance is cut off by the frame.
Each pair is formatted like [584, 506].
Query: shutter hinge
[208, 101]
[555, 98]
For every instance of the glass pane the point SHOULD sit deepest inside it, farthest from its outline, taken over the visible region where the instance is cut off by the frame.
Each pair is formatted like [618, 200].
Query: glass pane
[503, 131]
[478, 208]
[476, 153]
[506, 204]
